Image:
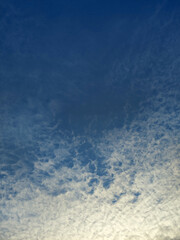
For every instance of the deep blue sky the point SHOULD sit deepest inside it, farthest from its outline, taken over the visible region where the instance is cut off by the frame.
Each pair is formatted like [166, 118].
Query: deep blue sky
[64, 51]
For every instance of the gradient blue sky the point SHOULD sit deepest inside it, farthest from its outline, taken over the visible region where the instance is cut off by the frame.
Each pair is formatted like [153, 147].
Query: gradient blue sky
[89, 120]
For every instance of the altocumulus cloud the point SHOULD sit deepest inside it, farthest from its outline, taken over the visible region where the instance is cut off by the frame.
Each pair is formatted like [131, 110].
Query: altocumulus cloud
[123, 184]
[141, 202]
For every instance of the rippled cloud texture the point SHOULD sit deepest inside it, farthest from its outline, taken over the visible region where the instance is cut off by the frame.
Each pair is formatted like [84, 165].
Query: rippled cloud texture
[90, 121]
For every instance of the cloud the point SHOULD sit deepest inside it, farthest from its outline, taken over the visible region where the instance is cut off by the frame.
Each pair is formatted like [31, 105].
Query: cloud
[142, 201]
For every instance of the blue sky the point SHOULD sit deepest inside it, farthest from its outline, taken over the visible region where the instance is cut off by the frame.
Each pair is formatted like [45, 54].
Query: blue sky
[89, 120]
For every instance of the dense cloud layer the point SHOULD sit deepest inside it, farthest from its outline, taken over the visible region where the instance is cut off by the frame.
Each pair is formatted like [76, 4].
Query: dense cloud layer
[90, 149]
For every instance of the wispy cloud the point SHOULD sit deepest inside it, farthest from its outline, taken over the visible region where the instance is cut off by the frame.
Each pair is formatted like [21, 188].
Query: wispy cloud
[141, 201]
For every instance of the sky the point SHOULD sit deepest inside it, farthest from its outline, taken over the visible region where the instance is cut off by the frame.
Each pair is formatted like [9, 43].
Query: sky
[89, 120]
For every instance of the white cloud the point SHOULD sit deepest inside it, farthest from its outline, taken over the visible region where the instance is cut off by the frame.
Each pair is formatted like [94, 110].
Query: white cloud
[144, 161]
